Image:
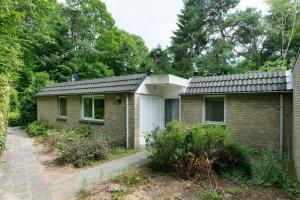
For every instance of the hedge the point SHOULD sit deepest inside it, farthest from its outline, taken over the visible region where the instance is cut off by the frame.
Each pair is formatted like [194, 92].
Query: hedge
[4, 106]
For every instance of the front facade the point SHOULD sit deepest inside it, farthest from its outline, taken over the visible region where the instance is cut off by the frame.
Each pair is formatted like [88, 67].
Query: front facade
[256, 107]
[261, 108]
[124, 108]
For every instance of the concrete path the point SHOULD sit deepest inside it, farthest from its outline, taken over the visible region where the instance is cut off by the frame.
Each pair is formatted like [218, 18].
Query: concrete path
[23, 177]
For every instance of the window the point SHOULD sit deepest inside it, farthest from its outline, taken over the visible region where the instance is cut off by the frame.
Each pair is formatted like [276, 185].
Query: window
[93, 108]
[214, 110]
[62, 107]
[171, 110]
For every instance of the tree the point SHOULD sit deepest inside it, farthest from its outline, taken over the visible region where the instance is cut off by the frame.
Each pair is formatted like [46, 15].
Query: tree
[28, 101]
[161, 60]
[283, 31]
[124, 53]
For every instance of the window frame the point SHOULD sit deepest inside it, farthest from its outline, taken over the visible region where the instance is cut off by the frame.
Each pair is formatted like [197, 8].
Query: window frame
[204, 110]
[93, 97]
[177, 99]
[59, 109]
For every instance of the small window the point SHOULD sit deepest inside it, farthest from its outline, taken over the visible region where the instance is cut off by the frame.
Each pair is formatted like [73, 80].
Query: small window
[214, 110]
[93, 108]
[62, 107]
[171, 110]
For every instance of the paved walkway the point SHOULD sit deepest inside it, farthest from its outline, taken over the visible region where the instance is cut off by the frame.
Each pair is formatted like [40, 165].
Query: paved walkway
[23, 177]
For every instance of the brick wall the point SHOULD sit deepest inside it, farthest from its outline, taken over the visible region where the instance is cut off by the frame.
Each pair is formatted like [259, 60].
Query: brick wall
[114, 125]
[252, 118]
[296, 115]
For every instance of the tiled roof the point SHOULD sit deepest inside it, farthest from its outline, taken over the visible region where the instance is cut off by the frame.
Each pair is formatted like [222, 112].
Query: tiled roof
[129, 83]
[255, 82]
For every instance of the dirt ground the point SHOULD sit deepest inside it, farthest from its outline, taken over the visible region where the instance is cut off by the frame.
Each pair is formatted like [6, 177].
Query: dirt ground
[49, 160]
[155, 186]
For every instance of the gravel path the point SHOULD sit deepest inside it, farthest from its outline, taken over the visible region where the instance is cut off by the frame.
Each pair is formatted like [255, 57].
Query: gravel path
[23, 177]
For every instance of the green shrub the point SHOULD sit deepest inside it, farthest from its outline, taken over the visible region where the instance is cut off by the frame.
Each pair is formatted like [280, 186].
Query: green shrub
[38, 128]
[268, 171]
[167, 147]
[211, 195]
[14, 119]
[85, 151]
[4, 106]
[181, 147]
[206, 139]
[233, 157]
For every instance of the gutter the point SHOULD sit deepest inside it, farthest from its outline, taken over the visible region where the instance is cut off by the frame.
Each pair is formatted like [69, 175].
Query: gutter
[281, 137]
[127, 122]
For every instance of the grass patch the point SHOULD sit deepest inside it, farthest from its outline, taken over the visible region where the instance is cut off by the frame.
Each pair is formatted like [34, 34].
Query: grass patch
[210, 195]
[129, 180]
[120, 152]
[235, 190]
[84, 190]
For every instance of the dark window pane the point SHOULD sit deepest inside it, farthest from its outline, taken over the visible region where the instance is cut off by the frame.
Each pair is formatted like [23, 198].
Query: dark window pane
[214, 109]
[99, 108]
[88, 107]
[63, 107]
[171, 110]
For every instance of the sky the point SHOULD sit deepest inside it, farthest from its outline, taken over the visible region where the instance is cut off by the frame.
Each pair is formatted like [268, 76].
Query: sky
[155, 20]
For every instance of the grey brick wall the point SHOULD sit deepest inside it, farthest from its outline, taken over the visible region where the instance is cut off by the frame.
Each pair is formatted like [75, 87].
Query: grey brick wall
[114, 125]
[296, 115]
[252, 118]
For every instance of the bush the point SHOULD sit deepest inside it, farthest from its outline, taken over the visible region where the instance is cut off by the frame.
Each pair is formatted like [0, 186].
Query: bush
[192, 150]
[83, 152]
[268, 171]
[14, 119]
[233, 157]
[4, 106]
[38, 128]
[167, 147]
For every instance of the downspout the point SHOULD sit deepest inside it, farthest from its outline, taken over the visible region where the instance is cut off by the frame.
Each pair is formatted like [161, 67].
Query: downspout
[281, 128]
[127, 122]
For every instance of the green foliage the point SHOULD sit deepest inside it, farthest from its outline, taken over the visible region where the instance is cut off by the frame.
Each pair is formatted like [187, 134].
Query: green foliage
[28, 108]
[84, 190]
[171, 149]
[14, 119]
[38, 128]
[233, 157]
[85, 151]
[4, 107]
[211, 195]
[268, 171]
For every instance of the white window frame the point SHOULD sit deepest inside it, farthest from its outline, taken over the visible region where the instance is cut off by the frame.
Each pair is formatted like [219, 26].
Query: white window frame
[204, 109]
[93, 97]
[59, 113]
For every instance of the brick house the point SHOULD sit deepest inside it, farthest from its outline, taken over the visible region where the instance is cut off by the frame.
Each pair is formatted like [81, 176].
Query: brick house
[260, 108]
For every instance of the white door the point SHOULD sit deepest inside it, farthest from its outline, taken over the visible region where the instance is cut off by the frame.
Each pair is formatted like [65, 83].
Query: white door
[150, 115]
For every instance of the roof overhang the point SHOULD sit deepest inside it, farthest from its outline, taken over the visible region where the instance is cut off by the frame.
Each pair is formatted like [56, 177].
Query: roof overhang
[165, 80]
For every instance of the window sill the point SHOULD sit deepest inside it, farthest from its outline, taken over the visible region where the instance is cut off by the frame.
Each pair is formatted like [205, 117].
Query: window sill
[89, 121]
[215, 123]
[61, 119]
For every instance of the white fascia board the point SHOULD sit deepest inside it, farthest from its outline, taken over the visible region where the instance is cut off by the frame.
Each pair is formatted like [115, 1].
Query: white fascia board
[289, 79]
[167, 79]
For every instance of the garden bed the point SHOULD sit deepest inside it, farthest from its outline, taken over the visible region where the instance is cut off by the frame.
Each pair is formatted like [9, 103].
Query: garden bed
[64, 150]
[146, 184]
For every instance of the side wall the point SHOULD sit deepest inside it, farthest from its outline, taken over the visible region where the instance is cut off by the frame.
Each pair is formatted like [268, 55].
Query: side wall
[114, 123]
[252, 118]
[296, 114]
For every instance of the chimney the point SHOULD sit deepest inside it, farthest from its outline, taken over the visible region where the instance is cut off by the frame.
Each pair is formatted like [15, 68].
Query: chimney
[74, 77]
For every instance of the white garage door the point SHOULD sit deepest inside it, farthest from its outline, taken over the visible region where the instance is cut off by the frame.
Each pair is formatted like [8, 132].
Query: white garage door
[150, 115]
